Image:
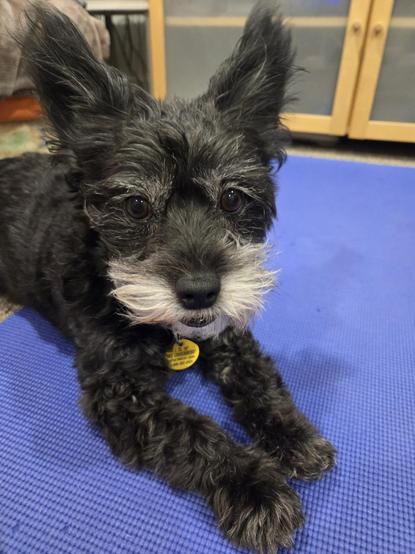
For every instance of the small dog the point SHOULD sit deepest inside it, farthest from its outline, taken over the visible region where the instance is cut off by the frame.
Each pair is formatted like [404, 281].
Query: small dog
[150, 226]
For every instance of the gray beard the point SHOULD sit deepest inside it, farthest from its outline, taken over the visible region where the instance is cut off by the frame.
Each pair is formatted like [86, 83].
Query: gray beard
[151, 300]
[213, 329]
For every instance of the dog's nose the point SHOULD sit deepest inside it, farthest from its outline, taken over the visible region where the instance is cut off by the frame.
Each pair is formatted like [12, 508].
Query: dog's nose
[198, 291]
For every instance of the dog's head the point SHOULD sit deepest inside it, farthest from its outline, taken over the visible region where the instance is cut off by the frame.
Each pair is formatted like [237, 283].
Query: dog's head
[180, 192]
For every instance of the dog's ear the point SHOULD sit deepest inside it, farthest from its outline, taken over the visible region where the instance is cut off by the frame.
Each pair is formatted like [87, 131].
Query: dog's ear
[86, 101]
[249, 88]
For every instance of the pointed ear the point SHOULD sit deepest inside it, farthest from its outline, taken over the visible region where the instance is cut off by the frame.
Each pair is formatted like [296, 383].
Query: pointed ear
[250, 86]
[86, 101]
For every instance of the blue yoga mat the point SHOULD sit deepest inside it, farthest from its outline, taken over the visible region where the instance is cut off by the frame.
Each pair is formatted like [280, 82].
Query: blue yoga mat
[342, 327]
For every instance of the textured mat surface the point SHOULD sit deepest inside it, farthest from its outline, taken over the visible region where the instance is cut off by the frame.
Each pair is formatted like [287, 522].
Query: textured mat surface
[342, 327]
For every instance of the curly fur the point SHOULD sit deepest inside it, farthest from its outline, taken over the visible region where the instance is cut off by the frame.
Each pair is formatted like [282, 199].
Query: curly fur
[70, 248]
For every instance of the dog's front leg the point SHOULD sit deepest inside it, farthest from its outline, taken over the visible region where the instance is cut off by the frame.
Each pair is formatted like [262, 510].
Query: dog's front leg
[123, 393]
[261, 402]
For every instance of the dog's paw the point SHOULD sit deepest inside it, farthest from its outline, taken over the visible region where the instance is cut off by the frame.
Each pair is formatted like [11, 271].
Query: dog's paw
[310, 459]
[258, 511]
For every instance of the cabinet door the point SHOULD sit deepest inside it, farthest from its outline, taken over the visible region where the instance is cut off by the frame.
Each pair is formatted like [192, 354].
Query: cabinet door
[327, 36]
[385, 103]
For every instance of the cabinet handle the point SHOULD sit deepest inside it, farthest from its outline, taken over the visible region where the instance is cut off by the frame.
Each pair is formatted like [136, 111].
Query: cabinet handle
[356, 27]
[378, 29]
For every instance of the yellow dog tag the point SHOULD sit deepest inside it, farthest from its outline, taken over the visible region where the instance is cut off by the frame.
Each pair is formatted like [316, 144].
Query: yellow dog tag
[182, 355]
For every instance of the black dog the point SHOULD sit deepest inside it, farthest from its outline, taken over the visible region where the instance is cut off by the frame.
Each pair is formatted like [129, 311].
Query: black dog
[150, 226]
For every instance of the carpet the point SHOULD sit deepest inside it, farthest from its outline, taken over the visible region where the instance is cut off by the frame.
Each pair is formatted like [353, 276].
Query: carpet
[341, 326]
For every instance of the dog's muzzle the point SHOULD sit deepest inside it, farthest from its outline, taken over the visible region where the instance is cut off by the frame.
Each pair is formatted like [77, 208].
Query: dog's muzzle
[197, 303]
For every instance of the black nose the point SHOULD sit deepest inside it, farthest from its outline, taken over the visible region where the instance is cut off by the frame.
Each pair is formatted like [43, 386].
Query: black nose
[198, 291]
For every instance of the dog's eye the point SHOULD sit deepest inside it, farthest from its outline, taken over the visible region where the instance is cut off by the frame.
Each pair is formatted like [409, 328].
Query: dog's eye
[138, 207]
[231, 201]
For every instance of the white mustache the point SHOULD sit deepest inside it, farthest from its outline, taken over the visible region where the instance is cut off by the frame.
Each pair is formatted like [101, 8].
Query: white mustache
[150, 299]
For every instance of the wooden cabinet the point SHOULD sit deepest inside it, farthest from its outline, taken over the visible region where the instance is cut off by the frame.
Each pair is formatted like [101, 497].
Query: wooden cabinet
[384, 106]
[359, 57]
